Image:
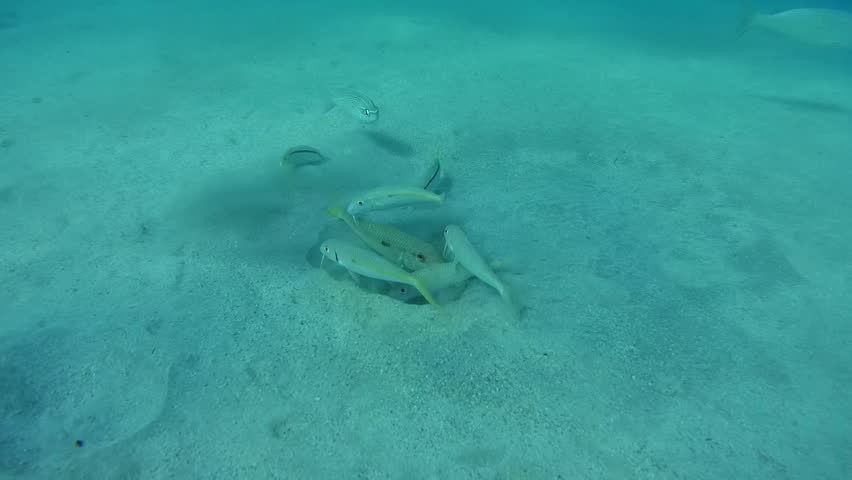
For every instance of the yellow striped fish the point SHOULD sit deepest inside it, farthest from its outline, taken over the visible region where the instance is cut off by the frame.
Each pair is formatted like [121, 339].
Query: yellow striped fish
[369, 264]
[395, 245]
[382, 198]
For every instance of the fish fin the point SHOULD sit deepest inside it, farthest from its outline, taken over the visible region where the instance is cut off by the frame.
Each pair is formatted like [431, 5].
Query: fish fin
[286, 167]
[418, 284]
[746, 17]
[355, 277]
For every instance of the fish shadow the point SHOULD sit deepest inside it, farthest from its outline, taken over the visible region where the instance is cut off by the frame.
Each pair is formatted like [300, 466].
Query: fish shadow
[241, 209]
[805, 104]
[389, 143]
[252, 209]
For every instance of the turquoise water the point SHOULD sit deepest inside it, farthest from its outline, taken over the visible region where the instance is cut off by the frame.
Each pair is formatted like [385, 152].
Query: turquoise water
[668, 203]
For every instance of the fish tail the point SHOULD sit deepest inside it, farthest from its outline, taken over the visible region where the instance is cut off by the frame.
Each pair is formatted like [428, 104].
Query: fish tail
[337, 212]
[746, 17]
[418, 284]
[510, 302]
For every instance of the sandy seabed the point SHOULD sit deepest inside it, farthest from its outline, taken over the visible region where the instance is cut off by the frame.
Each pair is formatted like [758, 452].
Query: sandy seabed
[675, 221]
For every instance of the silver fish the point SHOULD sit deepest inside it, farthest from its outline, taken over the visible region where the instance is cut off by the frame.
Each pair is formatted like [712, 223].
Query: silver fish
[360, 261]
[300, 156]
[465, 254]
[432, 177]
[356, 104]
[821, 27]
[382, 198]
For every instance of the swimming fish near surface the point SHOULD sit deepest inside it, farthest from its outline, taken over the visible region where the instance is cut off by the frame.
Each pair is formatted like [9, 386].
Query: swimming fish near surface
[382, 198]
[356, 104]
[369, 264]
[821, 27]
[404, 249]
[300, 156]
[465, 254]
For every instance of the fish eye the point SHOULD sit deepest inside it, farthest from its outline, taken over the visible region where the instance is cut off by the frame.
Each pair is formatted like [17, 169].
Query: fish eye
[421, 257]
[360, 202]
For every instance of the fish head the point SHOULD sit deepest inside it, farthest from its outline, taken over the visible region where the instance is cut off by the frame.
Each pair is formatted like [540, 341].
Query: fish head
[329, 249]
[369, 114]
[358, 205]
[403, 293]
[451, 235]
[413, 260]
[356, 104]
[452, 232]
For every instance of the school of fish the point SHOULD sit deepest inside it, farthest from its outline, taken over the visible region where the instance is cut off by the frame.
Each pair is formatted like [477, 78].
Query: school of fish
[415, 268]
[411, 268]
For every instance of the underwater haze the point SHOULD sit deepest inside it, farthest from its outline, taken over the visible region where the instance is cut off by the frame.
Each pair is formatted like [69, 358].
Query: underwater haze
[648, 273]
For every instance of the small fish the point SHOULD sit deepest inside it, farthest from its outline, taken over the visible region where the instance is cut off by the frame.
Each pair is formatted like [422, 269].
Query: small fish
[821, 27]
[300, 156]
[464, 253]
[361, 261]
[433, 174]
[356, 104]
[397, 246]
[383, 198]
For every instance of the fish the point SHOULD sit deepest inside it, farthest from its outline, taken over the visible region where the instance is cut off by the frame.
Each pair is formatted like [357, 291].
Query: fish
[433, 175]
[364, 262]
[400, 247]
[464, 253]
[300, 156]
[356, 104]
[383, 198]
[821, 27]
[437, 277]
